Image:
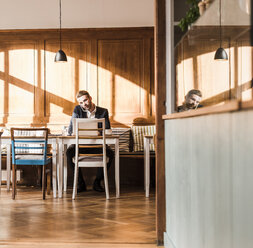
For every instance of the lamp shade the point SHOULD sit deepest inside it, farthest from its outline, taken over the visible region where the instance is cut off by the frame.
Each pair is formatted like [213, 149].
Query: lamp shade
[221, 54]
[60, 56]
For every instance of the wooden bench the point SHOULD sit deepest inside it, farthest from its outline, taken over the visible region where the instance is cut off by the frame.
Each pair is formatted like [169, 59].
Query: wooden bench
[136, 154]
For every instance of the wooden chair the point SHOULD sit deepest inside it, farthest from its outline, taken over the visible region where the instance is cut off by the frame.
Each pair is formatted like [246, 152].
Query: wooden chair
[29, 147]
[90, 129]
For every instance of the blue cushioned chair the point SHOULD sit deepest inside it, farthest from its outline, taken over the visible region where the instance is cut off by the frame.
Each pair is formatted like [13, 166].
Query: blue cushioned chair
[29, 147]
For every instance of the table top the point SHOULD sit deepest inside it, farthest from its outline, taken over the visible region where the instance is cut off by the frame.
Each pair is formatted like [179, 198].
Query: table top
[86, 136]
[64, 136]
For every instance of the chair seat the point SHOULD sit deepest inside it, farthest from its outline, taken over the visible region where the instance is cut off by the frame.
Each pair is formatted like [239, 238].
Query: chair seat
[31, 160]
[91, 159]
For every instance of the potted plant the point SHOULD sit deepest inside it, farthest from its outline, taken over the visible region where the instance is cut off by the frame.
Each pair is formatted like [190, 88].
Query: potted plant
[191, 15]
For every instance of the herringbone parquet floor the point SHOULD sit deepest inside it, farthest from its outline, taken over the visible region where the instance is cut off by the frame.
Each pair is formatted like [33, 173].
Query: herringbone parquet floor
[89, 221]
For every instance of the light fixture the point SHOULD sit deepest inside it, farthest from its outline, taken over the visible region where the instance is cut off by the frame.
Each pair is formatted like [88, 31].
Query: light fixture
[60, 55]
[220, 54]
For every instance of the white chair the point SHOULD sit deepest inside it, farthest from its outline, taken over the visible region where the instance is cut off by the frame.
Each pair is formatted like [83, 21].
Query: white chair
[90, 128]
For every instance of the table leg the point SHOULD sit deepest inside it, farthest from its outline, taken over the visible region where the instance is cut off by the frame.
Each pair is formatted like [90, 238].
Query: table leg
[65, 168]
[60, 171]
[8, 166]
[117, 179]
[146, 166]
[54, 162]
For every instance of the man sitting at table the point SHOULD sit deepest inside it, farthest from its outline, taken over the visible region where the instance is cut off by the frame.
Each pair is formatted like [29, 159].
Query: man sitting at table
[87, 109]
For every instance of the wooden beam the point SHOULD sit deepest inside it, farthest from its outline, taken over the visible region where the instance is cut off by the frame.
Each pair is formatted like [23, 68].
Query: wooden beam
[233, 105]
[160, 93]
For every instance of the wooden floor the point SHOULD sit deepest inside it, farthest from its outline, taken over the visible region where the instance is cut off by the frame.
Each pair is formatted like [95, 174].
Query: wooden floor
[89, 221]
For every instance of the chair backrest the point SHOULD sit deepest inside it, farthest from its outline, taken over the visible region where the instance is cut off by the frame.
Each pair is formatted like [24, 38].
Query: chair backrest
[90, 128]
[88, 125]
[29, 141]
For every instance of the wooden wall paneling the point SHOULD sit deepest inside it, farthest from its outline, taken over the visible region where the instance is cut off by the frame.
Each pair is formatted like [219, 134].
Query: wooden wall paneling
[120, 78]
[63, 80]
[246, 67]
[21, 80]
[3, 85]
[39, 103]
[202, 72]
[235, 74]
[93, 71]
[55, 85]
[218, 80]
[147, 80]
[179, 62]
[152, 81]
[77, 34]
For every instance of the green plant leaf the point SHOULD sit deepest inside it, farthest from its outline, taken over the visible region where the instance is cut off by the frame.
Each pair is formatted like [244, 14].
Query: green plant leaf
[191, 15]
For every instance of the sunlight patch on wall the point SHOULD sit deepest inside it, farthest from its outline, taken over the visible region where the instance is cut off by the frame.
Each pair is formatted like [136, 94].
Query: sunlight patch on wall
[20, 70]
[2, 98]
[83, 74]
[130, 95]
[1, 61]
[105, 87]
[117, 93]
[187, 83]
[246, 74]
[216, 72]
[21, 101]
[88, 78]
[180, 83]
[247, 95]
[61, 77]
[59, 110]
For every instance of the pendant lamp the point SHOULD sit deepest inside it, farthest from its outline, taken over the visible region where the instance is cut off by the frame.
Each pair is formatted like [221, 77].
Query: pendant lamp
[220, 54]
[60, 55]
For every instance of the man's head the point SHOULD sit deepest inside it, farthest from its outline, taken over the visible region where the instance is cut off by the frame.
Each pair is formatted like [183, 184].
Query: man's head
[193, 98]
[85, 100]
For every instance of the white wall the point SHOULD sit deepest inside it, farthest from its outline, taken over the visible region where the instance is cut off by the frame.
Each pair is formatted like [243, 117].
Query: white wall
[43, 14]
[209, 186]
[233, 12]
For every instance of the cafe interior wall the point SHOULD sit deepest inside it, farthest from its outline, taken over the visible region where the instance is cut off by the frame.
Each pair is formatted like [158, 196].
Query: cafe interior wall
[22, 67]
[27, 15]
[37, 14]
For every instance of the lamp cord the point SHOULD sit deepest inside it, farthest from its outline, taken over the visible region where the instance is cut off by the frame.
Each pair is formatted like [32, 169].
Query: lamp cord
[220, 20]
[60, 22]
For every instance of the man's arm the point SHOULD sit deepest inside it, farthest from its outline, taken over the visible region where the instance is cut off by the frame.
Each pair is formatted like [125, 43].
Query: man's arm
[70, 129]
[107, 121]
